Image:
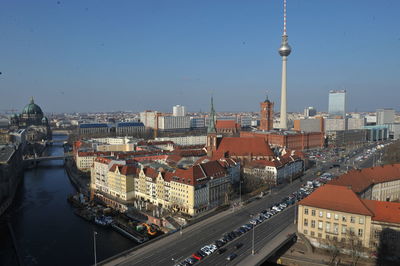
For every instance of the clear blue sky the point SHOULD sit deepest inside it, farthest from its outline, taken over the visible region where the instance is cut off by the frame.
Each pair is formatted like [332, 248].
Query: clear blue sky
[136, 55]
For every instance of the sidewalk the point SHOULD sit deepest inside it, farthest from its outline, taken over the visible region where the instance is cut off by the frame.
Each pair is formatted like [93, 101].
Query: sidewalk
[257, 258]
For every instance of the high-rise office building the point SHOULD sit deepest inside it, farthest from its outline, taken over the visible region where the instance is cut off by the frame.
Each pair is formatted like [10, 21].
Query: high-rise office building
[384, 116]
[179, 110]
[337, 103]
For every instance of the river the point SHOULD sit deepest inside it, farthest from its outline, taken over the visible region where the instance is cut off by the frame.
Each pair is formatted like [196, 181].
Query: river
[46, 229]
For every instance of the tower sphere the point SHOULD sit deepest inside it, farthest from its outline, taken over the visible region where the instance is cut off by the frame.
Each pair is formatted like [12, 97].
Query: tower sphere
[285, 49]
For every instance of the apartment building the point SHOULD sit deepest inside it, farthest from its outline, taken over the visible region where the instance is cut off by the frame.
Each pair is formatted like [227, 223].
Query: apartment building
[277, 170]
[335, 216]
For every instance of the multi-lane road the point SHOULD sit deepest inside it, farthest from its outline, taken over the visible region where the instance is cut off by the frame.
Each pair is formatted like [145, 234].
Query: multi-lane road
[177, 247]
[194, 237]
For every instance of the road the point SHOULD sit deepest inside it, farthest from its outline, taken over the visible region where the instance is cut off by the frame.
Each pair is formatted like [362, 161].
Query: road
[194, 237]
[177, 247]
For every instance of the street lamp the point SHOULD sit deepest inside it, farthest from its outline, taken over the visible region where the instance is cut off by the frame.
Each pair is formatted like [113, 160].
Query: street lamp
[94, 245]
[252, 248]
[240, 192]
[252, 245]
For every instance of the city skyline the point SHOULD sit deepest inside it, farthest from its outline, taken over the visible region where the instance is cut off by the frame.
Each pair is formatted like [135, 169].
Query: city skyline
[109, 56]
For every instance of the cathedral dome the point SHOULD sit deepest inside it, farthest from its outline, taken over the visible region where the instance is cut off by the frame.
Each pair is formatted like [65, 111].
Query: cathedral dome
[32, 109]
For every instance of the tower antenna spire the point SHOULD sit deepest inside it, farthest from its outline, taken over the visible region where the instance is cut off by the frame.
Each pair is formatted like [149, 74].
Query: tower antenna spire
[284, 17]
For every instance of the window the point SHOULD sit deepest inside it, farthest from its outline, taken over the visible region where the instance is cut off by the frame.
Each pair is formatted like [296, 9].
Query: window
[344, 229]
[320, 225]
[313, 212]
[320, 235]
[321, 214]
[343, 218]
[352, 219]
[328, 227]
[306, 211]
[305, 232]
[361, 220]
[377, 233]
[360, 232]
[336, 228]
[312, 233]
[328, 215]
[312, 223]
[305, 222]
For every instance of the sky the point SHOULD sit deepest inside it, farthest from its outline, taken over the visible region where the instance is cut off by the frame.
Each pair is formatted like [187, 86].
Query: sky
[92, 56]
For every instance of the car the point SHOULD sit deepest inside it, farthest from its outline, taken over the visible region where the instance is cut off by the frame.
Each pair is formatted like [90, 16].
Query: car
[203, 254]
[206, 250]
[231, 257]
[197, 256]
[238, 245]
[221, 250]
[253, 222]
[219, 243]
[212, 248]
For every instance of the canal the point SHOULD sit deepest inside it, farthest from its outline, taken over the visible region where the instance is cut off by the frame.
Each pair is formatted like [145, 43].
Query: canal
[46, 229]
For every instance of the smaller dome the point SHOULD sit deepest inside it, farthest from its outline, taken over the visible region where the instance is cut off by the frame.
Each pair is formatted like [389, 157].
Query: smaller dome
[45, 120]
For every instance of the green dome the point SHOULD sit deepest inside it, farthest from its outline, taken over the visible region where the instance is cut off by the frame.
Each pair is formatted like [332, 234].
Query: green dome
[32, 109]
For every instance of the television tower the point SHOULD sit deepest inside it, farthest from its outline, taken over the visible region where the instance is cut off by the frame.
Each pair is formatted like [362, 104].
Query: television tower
[284, 51]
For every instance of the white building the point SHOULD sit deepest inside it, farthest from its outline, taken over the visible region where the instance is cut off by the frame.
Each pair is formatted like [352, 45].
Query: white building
[310, 111]
[276, 171]
[384, 116]
[179, 110]
[356, 123]
[186, 140]
[149, 118]
[334, 124]
[173, 122]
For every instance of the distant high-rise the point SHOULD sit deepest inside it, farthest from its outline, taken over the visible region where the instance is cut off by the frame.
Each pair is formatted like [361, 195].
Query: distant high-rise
[179, 110]
[266, 115]
[284, 52]
[310, 111]
[384, 116]
[337, 103]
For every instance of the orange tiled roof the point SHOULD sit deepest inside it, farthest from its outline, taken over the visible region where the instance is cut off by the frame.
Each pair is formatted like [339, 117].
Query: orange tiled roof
[360, 180]
[384, 211]
[243, 146]
[221, 124]
[338, 198]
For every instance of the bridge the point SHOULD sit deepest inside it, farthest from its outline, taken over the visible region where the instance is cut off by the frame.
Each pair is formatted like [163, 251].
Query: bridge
[35, 160]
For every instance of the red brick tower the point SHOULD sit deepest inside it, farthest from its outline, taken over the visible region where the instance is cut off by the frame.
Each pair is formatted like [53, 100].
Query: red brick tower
[267, 115]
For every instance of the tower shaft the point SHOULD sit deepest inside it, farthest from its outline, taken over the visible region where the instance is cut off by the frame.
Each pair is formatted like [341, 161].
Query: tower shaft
[283, 119]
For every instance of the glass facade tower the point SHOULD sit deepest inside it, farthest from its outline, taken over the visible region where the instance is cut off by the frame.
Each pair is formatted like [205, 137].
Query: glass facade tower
[337, 103]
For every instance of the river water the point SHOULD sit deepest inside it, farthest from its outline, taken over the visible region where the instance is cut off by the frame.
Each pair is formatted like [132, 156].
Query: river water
[47, 230]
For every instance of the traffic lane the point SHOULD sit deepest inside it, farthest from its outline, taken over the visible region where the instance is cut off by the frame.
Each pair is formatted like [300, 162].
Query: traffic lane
[263, 233]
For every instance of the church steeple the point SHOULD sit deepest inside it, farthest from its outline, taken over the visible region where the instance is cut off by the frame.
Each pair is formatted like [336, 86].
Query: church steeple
[211, 132]
[211, 121]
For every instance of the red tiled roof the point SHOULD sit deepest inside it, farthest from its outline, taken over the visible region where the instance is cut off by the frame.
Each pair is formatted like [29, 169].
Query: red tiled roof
[384, 211]
[223, 124]
[338, 198]
[360, 180]
[243, 146]
[102, 160]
